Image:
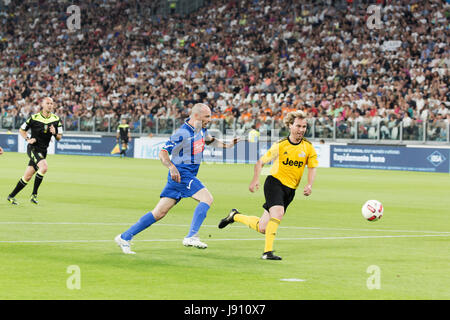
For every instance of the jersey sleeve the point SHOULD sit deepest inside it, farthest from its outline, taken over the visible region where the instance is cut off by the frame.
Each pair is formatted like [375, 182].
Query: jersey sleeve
[59, 127]
[312, 161]
[271, 154]
[175, 141]
[26, 125]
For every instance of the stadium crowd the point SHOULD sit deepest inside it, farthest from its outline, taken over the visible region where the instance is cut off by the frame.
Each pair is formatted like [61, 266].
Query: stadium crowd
[252, 61]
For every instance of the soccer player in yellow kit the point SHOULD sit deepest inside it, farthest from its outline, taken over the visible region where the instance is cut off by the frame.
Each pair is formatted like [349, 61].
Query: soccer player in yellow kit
[290, 156]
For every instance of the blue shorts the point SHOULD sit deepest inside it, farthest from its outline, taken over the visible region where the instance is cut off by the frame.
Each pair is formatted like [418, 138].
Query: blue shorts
[185, 189]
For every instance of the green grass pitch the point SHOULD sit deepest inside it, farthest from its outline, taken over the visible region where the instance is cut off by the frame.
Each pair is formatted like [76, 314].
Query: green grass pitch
[326, 245]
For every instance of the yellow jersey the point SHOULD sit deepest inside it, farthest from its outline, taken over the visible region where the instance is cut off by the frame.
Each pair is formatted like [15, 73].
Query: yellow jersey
[253, 136]
[290, 160]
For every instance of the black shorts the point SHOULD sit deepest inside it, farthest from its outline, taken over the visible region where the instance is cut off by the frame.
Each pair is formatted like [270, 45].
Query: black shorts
[35, 156]
[277, 194]
[124, 140]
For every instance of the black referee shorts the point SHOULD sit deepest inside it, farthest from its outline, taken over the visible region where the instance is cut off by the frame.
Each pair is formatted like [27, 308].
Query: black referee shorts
[277, 194]
[35, 156]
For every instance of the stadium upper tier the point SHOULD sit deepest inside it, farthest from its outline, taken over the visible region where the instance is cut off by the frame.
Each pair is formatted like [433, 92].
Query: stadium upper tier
[251, 61]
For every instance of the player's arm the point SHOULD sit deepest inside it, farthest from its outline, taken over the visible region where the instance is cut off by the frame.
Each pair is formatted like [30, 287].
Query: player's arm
[172, 145]
[23, 132]
[57, 133]
[219, 143]
[270, 155]
[254, 184]
[311, 176]
[164, 156]
[25, 136]
[312, 164]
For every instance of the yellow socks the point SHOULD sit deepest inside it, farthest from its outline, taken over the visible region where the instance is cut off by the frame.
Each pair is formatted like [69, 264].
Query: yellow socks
[250, 221]
[271, 231]
[253, 223]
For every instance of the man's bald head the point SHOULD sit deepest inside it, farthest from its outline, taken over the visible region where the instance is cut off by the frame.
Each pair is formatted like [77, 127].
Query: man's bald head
[47, 100]
[47, 104]
[200, 115]
[199, 108]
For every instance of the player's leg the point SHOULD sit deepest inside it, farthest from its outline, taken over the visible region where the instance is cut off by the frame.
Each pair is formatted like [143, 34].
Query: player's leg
[22, 183]
[276, 212]
[273, 197]
[278, 197]
[160, 210]
[120, 143]
[205, 200]
[42, 170]
[268, 225]
[124, 148]
[29, 172]
[252, 222]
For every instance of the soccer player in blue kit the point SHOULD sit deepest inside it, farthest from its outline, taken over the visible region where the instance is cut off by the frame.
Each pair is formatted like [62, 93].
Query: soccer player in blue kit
[182, 155]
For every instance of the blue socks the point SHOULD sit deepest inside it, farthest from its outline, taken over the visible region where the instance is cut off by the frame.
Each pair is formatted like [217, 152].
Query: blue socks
[144, 222]
[197, 220]
[147, 220]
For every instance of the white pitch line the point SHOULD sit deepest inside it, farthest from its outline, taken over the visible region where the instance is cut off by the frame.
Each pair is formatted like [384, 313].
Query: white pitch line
[212, 226]
[230, 239]
[352, 229]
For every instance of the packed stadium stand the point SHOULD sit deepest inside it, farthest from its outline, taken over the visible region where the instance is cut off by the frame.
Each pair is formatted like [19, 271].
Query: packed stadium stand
[252, 61]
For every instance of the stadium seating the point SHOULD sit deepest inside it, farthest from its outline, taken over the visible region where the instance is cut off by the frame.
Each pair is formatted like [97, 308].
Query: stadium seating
[317, 56]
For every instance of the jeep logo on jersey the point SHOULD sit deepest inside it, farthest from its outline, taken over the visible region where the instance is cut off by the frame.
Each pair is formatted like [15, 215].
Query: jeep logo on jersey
[291, 163]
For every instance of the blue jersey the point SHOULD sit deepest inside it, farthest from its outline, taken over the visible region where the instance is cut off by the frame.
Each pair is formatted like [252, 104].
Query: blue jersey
[186, 148]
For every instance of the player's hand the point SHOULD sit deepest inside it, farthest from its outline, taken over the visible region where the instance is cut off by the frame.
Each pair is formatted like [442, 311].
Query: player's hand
[52, 130]
[175, 174]
[254, 186]
[232, 143]
[31, 141]
[307, 190]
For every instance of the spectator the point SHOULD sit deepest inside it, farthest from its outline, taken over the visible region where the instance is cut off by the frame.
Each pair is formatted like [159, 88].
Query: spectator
[261, 58]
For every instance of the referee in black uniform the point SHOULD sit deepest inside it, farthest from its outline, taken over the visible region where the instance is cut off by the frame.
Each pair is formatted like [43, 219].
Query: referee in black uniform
[123, 137]
[43, 125]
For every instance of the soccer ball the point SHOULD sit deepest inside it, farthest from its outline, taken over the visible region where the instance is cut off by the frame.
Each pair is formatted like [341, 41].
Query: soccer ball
[372, 210]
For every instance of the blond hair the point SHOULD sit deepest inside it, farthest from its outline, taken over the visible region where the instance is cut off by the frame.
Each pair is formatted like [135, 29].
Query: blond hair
[291, 116]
